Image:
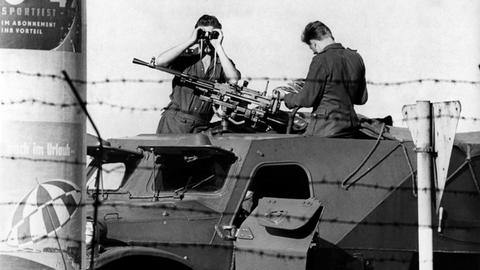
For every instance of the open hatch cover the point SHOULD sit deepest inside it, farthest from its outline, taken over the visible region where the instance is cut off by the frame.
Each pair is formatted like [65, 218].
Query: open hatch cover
[198, 151]
[112, 154]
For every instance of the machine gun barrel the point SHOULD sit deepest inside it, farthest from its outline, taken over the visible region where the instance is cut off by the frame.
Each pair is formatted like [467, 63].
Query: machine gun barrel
[244, 94]
[232, 97]
[189, 78]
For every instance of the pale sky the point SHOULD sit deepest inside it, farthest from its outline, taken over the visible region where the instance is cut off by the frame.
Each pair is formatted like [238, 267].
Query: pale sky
[398, 40]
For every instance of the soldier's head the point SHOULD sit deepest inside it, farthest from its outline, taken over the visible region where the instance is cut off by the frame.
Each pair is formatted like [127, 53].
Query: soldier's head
[209, 28]
[208, 21]
[317, 36]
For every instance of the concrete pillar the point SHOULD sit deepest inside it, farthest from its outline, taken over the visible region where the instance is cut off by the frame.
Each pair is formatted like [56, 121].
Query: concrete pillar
[42, 137]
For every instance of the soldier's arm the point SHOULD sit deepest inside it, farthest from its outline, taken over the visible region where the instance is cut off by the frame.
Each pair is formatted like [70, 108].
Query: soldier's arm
[231, 73]
[364, 98]
[312, 90]
[363, 87]
[165, 58]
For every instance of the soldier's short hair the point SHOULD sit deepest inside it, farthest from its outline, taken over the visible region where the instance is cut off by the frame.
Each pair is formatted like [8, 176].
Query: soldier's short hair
[316, 30]
[208, 20]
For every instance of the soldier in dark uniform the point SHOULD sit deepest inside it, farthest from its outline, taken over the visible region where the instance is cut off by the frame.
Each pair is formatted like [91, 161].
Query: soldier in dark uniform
[186, 113]
[334, 84]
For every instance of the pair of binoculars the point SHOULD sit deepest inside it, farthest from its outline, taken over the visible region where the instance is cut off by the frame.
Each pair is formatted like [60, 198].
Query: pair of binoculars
[201, 34]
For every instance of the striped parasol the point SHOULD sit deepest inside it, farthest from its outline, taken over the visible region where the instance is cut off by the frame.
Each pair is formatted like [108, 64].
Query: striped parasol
[43, 211]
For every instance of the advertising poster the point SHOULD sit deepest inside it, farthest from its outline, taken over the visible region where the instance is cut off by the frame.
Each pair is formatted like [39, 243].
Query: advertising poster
[41, 147]
[40, 25]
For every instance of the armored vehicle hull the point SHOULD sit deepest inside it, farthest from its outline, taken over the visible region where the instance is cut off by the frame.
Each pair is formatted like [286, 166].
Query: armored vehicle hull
[262, 201]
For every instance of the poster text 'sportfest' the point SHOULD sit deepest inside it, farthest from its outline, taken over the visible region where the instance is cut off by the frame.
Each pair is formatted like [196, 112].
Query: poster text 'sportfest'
[40, 25]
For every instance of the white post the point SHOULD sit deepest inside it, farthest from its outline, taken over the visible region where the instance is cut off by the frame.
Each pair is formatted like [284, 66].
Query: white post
[42, 135]
[424, 187]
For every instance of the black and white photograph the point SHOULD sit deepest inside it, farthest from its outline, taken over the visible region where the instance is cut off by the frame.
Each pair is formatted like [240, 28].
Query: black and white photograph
[254, 134]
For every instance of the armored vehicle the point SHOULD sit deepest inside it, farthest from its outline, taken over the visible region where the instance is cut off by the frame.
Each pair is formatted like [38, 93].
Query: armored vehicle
[277, 201]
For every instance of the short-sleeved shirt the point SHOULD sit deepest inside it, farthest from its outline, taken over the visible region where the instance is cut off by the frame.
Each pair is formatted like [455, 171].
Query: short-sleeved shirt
[183, 96]
[334, 83]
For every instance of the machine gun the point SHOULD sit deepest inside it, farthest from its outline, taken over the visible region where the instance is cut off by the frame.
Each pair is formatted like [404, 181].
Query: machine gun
[248, 109]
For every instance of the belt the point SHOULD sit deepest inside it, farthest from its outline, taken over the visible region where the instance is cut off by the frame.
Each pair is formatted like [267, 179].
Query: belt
[189, 115]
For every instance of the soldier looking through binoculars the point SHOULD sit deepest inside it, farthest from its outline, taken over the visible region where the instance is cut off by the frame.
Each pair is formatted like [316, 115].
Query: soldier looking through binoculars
[203, 56]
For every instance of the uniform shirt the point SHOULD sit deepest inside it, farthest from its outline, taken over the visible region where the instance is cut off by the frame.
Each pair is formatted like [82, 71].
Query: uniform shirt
[334, 83]
[182, 96]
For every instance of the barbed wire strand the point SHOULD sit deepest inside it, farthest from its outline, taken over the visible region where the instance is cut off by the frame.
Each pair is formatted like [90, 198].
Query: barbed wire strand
[247, 178]
[97, 201]
[320, 182]
[157, 244]
[166, 207]
[134, 109]
[248, 78]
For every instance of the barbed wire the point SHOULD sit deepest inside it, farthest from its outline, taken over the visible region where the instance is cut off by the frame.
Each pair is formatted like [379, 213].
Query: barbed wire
[171, 244]
[78, 81]
[262, 253]
[288, 217]
[75, 104]
[374, 186]
[247, 78]
[48, 160]
[134, 109]
[419, 81]
[462, 118]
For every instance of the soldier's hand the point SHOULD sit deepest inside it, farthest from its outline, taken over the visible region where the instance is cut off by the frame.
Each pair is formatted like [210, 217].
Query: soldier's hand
[194, 36]
[280, 92]
[219, 112]
[217, 41]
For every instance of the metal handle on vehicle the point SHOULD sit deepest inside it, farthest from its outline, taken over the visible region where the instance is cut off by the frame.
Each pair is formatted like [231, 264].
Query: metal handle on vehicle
[226, 232]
